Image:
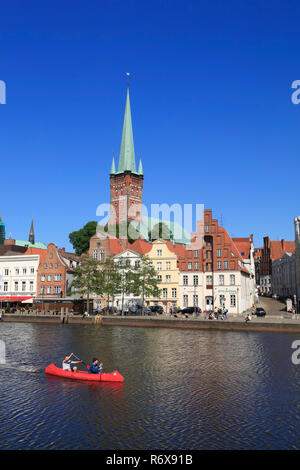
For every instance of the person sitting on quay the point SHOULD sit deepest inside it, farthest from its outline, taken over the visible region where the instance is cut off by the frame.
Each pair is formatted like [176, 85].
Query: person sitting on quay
[95, 368]
[248, 317]
[68, 364]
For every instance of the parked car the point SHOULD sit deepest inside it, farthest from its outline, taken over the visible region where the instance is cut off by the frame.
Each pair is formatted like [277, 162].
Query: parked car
[259, 312]
[190, 310]
[157, 309]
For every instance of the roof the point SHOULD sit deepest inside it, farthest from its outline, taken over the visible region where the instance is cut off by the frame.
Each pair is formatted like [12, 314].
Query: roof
[141, 246]
[244, 246]
[127, 155]
[279, 248]
[31, 245]
[36, 251]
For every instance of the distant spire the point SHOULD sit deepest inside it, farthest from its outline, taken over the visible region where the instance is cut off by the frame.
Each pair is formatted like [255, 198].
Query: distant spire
[127, 156]
[31, 233]
[2, 231]
[140, 172]
[113, 167]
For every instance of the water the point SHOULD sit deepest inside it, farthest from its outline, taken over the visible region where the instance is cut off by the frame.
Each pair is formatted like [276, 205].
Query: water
[183, 389]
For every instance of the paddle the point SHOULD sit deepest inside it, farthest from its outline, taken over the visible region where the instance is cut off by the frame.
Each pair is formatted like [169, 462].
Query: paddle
[82, 361]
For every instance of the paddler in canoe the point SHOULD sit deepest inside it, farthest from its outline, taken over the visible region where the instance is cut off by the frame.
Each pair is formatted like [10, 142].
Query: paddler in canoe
[95, 368]
[67, 364]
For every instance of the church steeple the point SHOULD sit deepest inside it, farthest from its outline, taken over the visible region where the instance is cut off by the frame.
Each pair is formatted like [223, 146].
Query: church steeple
[31, 233]
[113, 167]
[127, 155]
[2, 231]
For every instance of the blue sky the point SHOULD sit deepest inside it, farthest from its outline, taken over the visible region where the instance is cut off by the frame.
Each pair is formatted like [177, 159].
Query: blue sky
[210, 99]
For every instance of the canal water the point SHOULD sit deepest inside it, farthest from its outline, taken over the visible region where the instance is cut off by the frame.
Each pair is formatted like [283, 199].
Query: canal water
[183, 389]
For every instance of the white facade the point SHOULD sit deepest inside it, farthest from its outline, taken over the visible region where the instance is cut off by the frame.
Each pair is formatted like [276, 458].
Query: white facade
[18, 275]
[128, 259]
[232, 289]
[284, 276]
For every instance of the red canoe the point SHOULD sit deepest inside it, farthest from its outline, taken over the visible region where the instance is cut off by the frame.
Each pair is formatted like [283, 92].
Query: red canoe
[80, 375]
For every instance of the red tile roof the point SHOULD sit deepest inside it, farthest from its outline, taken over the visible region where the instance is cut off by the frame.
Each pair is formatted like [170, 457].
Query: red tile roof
[140, 246]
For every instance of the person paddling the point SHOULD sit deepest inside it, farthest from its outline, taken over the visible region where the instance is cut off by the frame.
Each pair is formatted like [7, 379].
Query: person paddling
[68, 364]
[95, 368]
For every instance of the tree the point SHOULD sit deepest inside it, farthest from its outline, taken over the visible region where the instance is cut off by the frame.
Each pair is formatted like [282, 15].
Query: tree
[160, 230]
[132, 233]
[80, 239]
[88, 278]
[111, 279]
[144, 281]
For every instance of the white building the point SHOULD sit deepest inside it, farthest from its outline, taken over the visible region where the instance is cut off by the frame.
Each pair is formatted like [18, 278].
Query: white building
[18, 276]
[128, 259]
[284, 276]
[230, 289]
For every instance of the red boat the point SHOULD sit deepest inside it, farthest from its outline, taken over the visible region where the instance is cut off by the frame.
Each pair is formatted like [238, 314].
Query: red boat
[82, 375]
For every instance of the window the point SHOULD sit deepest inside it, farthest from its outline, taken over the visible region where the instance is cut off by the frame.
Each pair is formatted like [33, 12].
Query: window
[51, 255]
[219, 253]
[95, 254]
[23, 286]
[16, 286]
[56, 265]
[57, 277]
[137, 263]
[159, 277]
[159, 266]
[174, 292]
[6, 271]
[185, 300]
[232, 300]
[195, 300]
[219, 264]
[17, 271]
[159, 252]
[57, 289]
[185, 280]
[31, 270]
[196, 265]
[49, 277]
[232, 279]
[101, 255]
[225, 264]
[165, 293]
[42, 277]
[208, 255]
[49, 290]
[5, 287]
[42, 290]
[195, 253]
[206, 228]
[168, 265]
[221, 280]
[168, 278]
[195, 280]
[31, 286]
[222, 300]
[209, 280]
[24, 270]
[208, 267]
[45, 265]
[190, 265]
[50, 265]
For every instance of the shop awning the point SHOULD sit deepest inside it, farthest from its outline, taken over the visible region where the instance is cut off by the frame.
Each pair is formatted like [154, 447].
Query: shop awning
[9, 298]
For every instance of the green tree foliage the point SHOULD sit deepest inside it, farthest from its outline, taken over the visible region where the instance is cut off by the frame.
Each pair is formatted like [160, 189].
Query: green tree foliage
[144, 281]
[80, 239]
[89, 278]
[160, 230]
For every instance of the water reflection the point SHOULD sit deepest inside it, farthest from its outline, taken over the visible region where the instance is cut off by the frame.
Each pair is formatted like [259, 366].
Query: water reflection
[183, 389]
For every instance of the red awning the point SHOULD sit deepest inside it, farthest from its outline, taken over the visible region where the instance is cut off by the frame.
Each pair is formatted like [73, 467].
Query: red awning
[14, 299]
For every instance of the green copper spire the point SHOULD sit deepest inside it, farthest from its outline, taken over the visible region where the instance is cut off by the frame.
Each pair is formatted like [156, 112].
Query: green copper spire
[140, 172]
[113, 167]
[2, 231]
[127, 156]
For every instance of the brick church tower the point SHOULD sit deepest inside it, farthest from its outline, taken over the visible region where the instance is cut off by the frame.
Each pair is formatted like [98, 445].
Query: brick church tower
[126, 184]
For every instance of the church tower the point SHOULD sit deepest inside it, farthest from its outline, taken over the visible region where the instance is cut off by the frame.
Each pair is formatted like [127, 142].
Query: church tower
[126, 183]
[2, 231]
